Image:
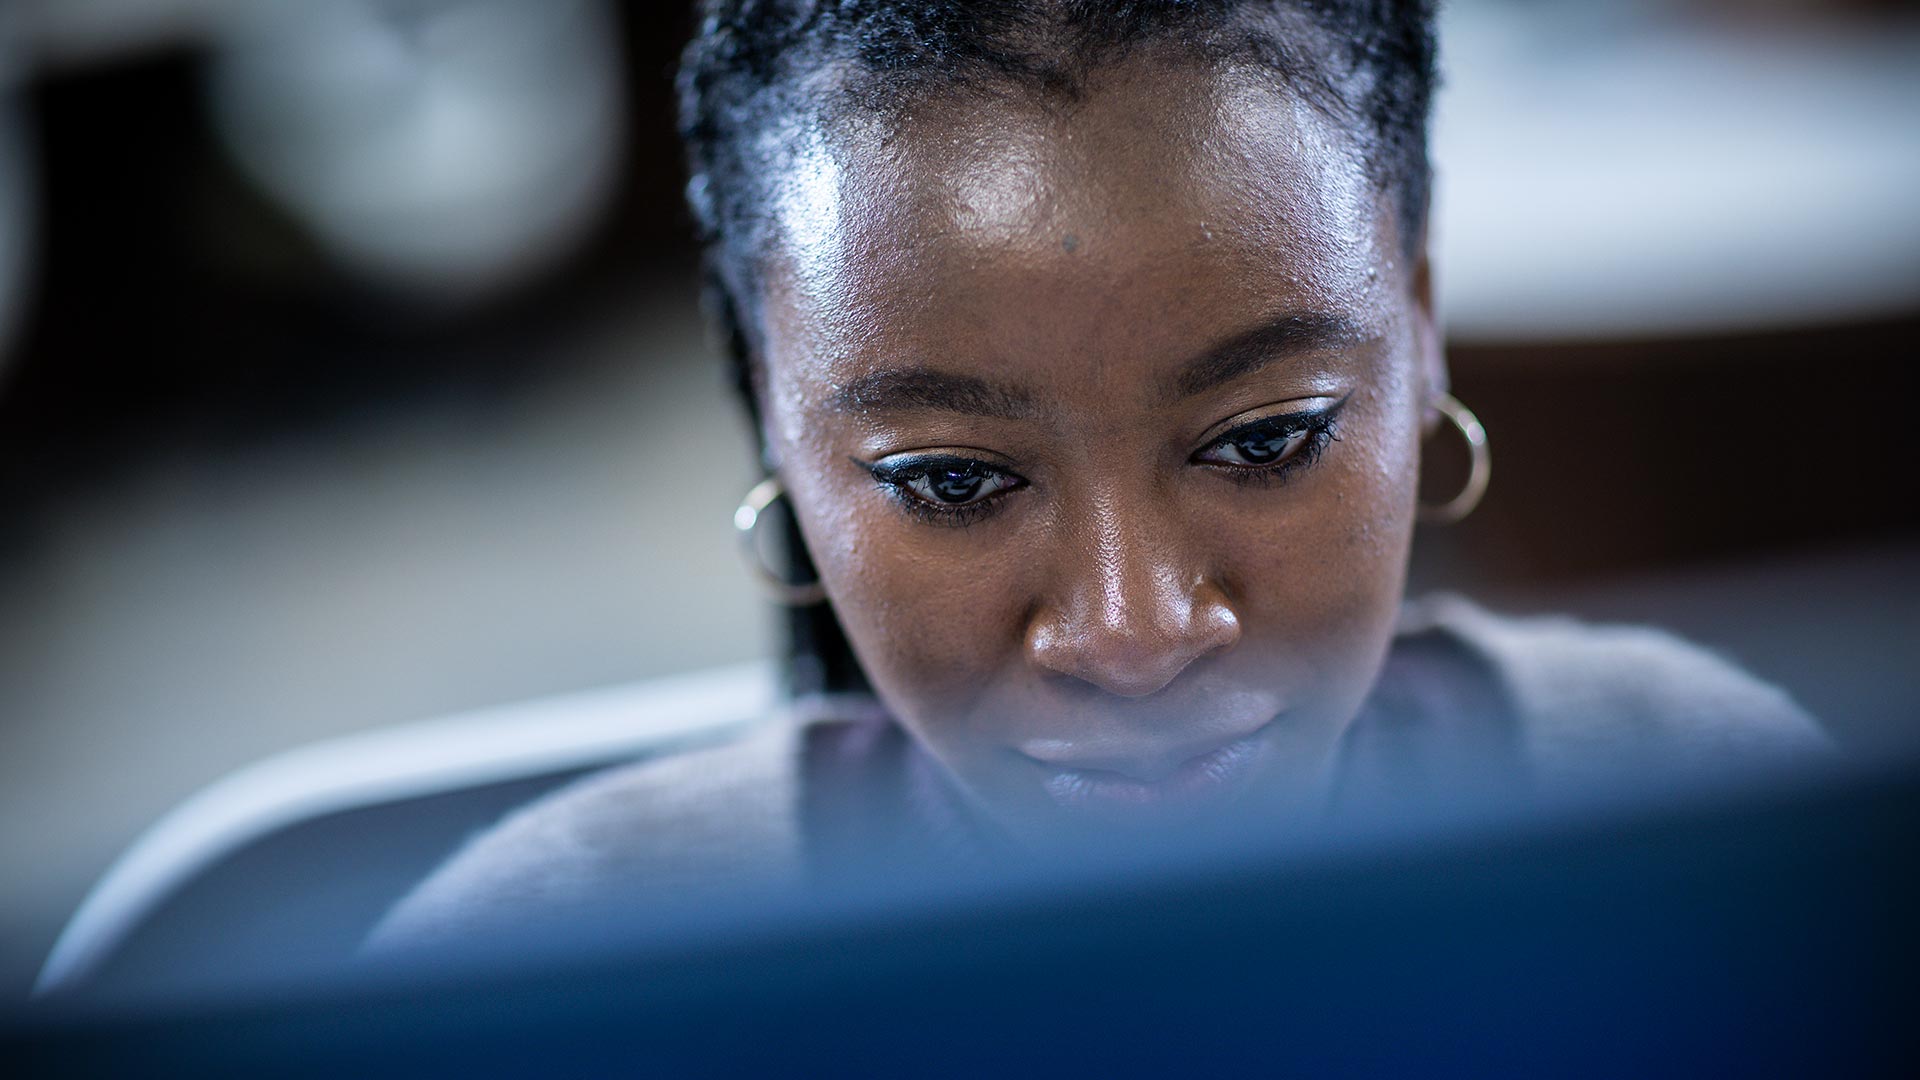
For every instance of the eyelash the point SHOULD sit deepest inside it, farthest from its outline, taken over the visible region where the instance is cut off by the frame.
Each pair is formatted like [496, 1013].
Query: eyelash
[896, 478]
[1320, 429]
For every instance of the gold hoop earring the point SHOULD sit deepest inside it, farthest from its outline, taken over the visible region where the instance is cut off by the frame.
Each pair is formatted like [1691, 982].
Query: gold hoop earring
[1479, 472]
[746, 519]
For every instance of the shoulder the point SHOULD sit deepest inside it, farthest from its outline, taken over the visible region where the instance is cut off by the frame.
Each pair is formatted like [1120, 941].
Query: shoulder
[671, 828]
[1595, 700]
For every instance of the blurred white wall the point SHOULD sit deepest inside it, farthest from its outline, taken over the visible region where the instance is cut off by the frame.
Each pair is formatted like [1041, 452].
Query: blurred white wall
[1636, 170]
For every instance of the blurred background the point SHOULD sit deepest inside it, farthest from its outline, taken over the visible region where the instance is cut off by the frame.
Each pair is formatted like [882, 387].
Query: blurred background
[351, 371]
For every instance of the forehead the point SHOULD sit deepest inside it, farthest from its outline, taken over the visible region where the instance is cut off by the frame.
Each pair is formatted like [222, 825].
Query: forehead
[1159, 202]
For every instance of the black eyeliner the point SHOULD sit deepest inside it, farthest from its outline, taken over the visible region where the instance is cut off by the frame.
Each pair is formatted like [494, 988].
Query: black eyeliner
[1320, 427]
[896, 478]
[1288, 423]
[923, 465]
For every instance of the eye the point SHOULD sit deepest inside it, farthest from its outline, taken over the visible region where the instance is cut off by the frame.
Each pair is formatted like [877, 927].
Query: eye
[958, 487]
[1272, 447]
[952, 488]
[1256, 447]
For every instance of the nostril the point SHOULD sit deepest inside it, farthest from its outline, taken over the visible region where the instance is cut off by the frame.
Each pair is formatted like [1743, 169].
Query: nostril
[1130, 659]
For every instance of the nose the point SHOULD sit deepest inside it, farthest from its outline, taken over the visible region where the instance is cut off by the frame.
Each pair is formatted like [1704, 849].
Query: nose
[1129, 615]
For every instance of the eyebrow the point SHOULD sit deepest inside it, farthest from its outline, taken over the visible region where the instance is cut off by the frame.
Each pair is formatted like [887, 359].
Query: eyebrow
[1248, 352]
[908, 389]
[918, 388]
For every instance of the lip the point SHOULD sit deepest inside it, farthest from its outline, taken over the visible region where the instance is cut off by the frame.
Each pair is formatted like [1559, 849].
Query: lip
[1123, 797]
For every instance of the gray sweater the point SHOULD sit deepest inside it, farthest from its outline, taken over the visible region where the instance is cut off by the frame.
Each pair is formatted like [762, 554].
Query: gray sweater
[1569, 706]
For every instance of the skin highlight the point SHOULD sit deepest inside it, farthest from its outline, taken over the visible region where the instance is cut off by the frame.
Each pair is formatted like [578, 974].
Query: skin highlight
[1079, 298]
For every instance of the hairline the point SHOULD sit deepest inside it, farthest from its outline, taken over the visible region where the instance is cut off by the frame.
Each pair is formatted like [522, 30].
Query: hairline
[841, 92]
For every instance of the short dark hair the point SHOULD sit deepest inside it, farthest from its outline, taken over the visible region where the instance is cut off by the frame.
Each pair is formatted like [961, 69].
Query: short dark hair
[753, 64]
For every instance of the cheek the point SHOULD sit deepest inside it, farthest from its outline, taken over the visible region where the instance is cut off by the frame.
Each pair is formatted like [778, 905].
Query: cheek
[930, 619]
[1319, 583]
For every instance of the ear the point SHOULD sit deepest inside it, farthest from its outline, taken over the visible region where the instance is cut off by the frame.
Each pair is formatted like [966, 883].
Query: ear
[1428, 340]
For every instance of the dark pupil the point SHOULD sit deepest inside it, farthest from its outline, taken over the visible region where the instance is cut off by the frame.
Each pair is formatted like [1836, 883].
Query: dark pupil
[1262, 449]
[956, 487]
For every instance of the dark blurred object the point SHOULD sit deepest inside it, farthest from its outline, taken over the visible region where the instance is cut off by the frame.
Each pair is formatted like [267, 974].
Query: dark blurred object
[1626, 457]
[1760, 936]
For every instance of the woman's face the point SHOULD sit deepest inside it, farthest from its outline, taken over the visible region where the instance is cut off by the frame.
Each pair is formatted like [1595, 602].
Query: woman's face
[1101, 420]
